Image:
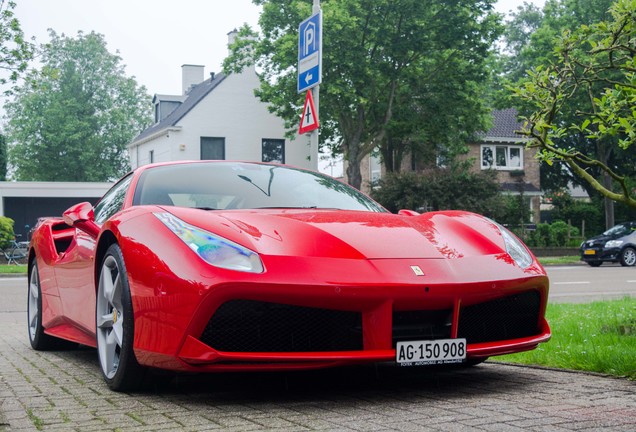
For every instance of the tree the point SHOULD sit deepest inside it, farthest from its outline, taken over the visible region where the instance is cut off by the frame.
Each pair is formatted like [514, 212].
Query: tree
[530, 39]
[531, 34]
[74, 124]
[450, 188]
[596, 61]
[15, 50]
[388, 66]
[3, 158]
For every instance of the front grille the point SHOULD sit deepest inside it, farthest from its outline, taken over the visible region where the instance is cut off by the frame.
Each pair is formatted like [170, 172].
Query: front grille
[511, 317]
[254, 326]
[421, 325]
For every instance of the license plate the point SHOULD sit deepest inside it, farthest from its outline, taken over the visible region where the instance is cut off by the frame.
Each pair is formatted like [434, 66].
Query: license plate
[430, 352]
[589, 252]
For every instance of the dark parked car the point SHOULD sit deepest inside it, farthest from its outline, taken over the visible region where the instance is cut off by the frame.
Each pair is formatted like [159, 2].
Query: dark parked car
[617, 244]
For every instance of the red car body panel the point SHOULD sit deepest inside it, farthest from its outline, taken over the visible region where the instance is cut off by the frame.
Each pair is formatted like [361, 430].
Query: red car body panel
[328, 259]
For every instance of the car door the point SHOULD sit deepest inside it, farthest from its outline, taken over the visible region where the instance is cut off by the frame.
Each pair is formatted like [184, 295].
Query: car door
[75, 269]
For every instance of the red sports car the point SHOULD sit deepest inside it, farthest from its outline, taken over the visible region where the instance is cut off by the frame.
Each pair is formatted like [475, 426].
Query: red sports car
[220, 266]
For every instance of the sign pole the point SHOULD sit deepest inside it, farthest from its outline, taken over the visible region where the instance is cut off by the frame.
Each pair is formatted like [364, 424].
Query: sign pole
[310, 76]
[313, 146]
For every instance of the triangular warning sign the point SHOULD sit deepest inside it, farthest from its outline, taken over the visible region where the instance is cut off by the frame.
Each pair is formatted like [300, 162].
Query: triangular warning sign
[309, 119]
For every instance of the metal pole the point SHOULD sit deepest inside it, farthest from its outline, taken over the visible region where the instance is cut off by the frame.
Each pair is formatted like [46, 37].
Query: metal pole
[313, 146]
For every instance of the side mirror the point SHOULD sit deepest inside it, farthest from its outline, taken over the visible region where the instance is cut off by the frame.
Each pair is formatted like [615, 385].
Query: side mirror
[81, 216]
[405, 212]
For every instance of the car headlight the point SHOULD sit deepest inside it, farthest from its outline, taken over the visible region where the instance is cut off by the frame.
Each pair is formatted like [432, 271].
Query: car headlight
[517, 250]
[213, 249]
[613, 243]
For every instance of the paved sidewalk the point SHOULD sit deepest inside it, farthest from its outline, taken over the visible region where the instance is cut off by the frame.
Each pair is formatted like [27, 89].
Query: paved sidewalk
[64, 391]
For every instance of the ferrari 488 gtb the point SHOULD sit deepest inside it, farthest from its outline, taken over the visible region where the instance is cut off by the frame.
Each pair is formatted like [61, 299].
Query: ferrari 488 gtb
[219, 266]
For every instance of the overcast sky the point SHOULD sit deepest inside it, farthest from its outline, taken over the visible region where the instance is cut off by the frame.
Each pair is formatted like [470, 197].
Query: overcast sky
[154, 37]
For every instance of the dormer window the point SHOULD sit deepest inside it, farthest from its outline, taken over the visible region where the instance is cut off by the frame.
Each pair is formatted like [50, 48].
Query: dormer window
[164, 108]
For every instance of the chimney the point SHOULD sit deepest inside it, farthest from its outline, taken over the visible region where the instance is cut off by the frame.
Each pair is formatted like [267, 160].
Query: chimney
[191, 75]
[231, 37]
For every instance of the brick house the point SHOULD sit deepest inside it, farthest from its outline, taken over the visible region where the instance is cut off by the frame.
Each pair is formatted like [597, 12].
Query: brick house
[504, 151]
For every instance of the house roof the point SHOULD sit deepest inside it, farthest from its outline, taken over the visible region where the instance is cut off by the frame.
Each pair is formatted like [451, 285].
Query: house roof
[505, 123]
[518, 187]
[196, 95]
[172, 98]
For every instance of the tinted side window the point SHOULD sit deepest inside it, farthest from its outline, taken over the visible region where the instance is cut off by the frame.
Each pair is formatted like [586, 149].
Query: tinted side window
[113, 201]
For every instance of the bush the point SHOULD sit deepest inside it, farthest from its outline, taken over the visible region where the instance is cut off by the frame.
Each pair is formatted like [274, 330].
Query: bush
[453, 188]
[6, 232]
[568, 209]
[553, 235]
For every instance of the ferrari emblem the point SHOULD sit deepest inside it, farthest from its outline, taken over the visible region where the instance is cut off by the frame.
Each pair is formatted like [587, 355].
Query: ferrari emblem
[114, 316]
[417, 270]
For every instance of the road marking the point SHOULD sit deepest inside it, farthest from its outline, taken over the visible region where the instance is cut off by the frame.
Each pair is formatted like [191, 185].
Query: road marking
[591, 294]
[572, 283]
[631, 281]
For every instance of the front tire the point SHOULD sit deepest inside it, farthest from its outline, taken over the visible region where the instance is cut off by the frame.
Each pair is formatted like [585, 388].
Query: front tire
[628, 257]
[116, 326]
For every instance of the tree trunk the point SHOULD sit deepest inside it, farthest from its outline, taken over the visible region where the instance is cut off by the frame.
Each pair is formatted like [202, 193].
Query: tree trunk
[604, 150]
[353, 149]
[354, 175]
[609, 204]
[387, 156]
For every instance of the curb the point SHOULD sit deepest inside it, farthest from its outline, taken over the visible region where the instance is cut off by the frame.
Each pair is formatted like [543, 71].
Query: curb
[555, 369]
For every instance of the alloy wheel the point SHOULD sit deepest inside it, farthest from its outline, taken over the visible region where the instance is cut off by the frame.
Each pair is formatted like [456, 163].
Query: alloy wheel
[33, 306]
[110, 317]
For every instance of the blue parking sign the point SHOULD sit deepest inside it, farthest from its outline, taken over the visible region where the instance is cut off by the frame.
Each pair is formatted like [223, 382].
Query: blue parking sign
[310, 52]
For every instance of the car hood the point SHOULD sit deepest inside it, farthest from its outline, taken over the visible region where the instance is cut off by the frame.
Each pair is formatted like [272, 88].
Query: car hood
[351, 234]
[600, 240]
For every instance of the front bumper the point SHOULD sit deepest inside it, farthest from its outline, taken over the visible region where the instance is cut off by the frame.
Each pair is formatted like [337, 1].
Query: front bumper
[376, 303]
[600, 254]
[246, 336]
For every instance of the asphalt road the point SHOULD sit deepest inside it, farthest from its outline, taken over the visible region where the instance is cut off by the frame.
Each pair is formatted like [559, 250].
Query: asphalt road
[582, 283]
[64, 391]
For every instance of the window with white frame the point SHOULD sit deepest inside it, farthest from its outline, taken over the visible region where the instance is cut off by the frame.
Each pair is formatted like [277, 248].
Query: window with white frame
[501, 157]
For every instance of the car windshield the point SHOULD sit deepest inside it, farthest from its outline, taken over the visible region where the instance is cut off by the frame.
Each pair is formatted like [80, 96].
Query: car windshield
[227, 185]
[618, 230]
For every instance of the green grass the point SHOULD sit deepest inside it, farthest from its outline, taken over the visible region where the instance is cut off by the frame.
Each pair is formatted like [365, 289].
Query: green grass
[559, 260]
[12, 268]
[596, 337]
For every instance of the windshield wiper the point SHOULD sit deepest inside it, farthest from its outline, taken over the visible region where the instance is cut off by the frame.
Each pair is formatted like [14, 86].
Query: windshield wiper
[287, 207]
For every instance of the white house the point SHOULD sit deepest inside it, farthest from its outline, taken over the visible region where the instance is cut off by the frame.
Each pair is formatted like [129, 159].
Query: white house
[216, 118]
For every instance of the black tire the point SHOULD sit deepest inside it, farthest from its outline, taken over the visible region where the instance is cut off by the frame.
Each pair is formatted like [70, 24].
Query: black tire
[115, 325]
[628, 257]
[595, 263]
[39, 340]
